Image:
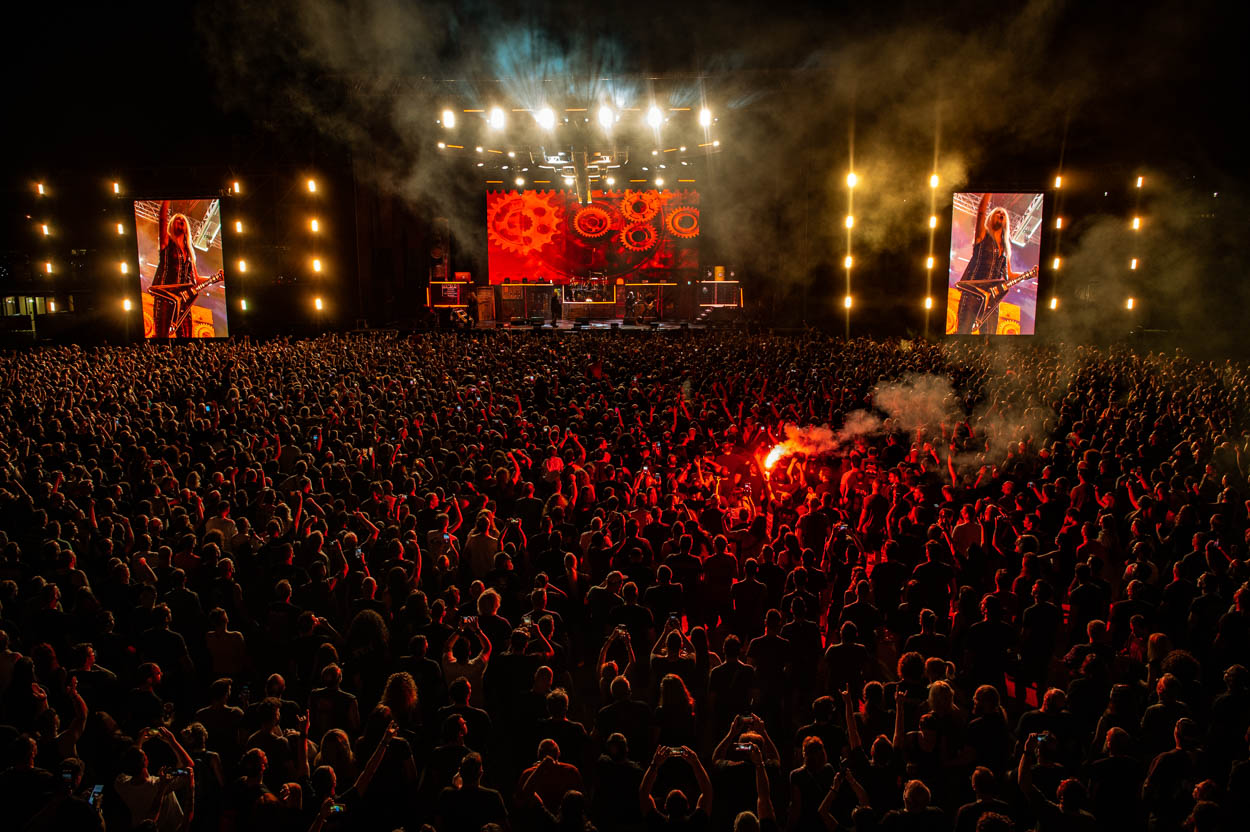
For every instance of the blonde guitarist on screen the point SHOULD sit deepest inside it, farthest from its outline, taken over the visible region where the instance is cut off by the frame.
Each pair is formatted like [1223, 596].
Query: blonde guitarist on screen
[988, 275]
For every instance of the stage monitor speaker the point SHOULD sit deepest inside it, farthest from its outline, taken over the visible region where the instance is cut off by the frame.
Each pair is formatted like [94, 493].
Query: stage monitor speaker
[537, 320]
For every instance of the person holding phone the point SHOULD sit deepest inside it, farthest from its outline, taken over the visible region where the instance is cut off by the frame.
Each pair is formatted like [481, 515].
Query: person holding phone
[677, 812]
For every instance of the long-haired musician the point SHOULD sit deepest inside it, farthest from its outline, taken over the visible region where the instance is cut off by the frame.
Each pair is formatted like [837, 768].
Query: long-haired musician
[990, 261]
[176, 266]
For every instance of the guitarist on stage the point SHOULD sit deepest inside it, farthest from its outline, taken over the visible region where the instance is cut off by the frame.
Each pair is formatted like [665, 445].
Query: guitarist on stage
[176, 266]
[989, 265]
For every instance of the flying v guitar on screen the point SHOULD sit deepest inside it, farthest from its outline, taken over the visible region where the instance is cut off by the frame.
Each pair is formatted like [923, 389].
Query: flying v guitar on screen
[182, 296]
[991, 292]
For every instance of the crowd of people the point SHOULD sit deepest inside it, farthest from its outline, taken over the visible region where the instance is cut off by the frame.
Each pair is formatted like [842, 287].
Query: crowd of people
[670, 581]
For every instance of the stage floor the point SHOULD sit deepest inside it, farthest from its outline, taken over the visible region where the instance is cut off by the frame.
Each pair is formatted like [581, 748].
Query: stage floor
[605, 325]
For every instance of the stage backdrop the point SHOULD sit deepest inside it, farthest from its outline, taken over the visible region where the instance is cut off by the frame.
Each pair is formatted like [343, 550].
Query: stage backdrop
[208, 311]
[1020, 217]
[546, 236]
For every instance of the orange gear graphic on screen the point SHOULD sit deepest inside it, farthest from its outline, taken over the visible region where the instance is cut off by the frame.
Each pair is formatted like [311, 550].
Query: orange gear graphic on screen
[640, 206]
[203, 329]
[683, 222]
[524, 223]
[639, 237]
[592, 221]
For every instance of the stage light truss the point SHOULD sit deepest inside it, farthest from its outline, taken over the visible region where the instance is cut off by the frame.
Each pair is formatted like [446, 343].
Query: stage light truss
[581, 166]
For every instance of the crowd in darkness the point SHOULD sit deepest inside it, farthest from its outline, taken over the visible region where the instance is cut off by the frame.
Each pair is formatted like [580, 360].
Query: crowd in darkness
[492, 581]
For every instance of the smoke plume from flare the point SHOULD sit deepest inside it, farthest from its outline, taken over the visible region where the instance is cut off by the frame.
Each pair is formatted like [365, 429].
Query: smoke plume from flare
[815, 440]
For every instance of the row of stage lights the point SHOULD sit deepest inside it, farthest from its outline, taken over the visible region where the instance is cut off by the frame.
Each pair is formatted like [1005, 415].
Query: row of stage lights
[545, 117]
[236, 189]
[610, 181]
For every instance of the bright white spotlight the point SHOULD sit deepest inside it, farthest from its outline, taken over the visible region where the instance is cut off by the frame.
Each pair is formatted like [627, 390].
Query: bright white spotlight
[568, 180]
[1054, 264]
[654, 117]
[127, 305]
[611, 180]
[316, 264]
[47, 267]
[1133, 264]
[117, 187]
[1058, 182]
[928, 303]
[243, 304]
[1130, 303]
[1141, 180]
[606, 117]
[121, 229]
[520, 181]
[478, 148]
[1136, 223]
[312, 186]
[39, 188]
[705, 117]
[848, 262]
[928, 264]
[1058, 222]
[851, 180]
[238, 226]
[237, 187]
[846, 301]
[933, 181]
[850, 221]
[314, 226]
[51, 306]
[497, 119]
[933, 221]
[242, 266]
[1054, 303]
[125, 267]
[317, 303]
[449, 119]
[46, 232]
[716, 143]
[546, 118]
[659, 183]
[442, 145]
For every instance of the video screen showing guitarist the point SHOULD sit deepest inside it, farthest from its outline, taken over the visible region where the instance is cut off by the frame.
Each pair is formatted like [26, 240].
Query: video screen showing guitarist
[991, 271]
[180, 261]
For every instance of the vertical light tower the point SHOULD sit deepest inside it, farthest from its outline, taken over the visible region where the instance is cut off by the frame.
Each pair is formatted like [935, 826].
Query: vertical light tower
[1058, 203]
[934, 181]
[852, 179]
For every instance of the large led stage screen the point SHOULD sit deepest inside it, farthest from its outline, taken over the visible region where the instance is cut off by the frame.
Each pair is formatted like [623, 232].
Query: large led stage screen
[181, 280]
[995, 253]
[546, 236]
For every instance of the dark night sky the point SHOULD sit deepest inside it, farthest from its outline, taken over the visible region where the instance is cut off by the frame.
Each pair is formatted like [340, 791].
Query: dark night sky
[91, 84]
